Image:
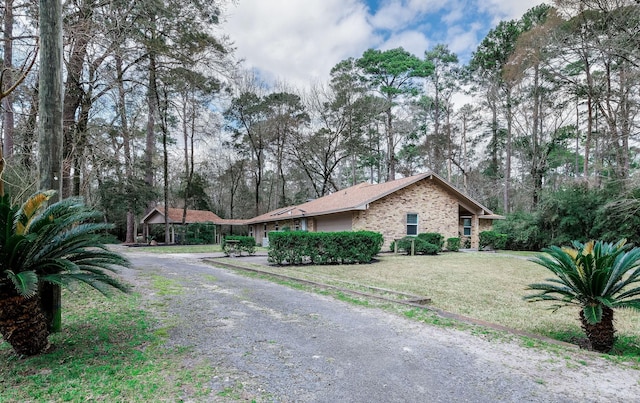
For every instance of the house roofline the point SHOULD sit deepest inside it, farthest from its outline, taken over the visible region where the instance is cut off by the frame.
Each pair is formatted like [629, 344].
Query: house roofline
[484, 210]
[274, 218]
[491, 217]
[293, 212]
[153, 210]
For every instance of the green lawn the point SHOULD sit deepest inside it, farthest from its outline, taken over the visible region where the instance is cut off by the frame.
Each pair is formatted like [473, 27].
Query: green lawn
[107, 351]
[480, 285]
[185, 249]
[179, 249]
[112, 350]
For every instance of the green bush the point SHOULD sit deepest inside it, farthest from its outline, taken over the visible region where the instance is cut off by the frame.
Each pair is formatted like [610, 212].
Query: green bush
[453, 244]
[492, 240]
[245, 244]
[523, 231]
[299, 247]
[433, 238]
[420, 246]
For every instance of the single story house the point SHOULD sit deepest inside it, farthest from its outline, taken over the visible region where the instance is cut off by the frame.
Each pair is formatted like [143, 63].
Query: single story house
[407, 206]
[156, 216]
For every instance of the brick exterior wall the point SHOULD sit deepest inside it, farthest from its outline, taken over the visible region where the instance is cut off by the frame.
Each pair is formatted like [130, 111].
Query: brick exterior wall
[437, 212]
[259, 231]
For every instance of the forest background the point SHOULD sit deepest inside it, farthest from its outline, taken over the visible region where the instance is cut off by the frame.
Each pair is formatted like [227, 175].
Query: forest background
[158, 111]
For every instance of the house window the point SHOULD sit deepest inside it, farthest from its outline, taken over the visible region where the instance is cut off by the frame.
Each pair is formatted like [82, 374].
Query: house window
[264, 235]
[250, 230]
[466, 226]
[412, 224]
[296, 225]
[276, 227]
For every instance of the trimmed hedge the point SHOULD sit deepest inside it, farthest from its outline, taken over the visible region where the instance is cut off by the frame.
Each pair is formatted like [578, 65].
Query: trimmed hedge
[245, 244]
[492, 240]
[453, 244]
[299, 247]
[419, 244]
[433, 238]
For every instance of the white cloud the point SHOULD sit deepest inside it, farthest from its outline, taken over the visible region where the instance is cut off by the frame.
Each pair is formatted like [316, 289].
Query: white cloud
[412, 41]
[396, 14]
[463, 41]
[506, 9]
[298, 41]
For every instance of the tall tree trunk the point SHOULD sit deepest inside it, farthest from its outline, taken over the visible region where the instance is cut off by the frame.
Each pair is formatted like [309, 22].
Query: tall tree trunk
[74, 94]
[30, 133]
[391, 165]
[449, 145]
[7, 70]
[624, 126]
[81, 145]
[465, 160]
[150, 146]
[536, 157]
[188, 134]
[163, 114]
[507, 163]
[126, 144]
[587, 141]
[50, 129]
[590, 88]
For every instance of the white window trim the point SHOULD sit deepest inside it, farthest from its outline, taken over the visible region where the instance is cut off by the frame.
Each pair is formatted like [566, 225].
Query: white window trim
[407, 224]
[470, 226]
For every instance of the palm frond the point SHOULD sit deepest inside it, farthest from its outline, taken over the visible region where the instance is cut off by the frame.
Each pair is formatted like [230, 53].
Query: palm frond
[59, 243]
[56, 242]
[593, 313]
[25, 282]
[594, 274]
[629, 304]
[628, 294]
[105, 284]
[29, 208]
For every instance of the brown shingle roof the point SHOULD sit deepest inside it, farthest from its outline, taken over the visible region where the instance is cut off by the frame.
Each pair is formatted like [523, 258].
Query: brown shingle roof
[193, 216]
[357, 198]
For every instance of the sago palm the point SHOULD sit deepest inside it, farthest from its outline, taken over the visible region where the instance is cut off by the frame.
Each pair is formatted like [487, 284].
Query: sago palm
[597, 276]
[59, 244]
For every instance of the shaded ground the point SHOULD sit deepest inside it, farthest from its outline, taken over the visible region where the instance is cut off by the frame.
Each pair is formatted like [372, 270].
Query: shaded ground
[269, 342]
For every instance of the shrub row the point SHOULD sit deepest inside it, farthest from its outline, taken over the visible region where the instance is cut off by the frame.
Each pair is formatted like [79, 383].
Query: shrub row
[323, 247]
[453, 244]
[245, 244]
[429, 243]
[492, 240]
[420, 246]
[433, 238]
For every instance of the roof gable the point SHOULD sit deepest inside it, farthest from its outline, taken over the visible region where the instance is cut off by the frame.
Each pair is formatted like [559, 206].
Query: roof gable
[175, 216]
[358, 197]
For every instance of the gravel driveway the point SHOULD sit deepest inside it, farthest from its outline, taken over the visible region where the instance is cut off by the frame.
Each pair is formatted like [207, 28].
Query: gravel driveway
[269, 342]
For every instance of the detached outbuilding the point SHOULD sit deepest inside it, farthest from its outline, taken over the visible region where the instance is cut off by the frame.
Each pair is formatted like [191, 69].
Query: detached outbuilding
[407, 206]
[174, 219]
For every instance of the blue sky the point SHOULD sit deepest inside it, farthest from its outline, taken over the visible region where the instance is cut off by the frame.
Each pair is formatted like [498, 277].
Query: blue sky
[299, 41]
